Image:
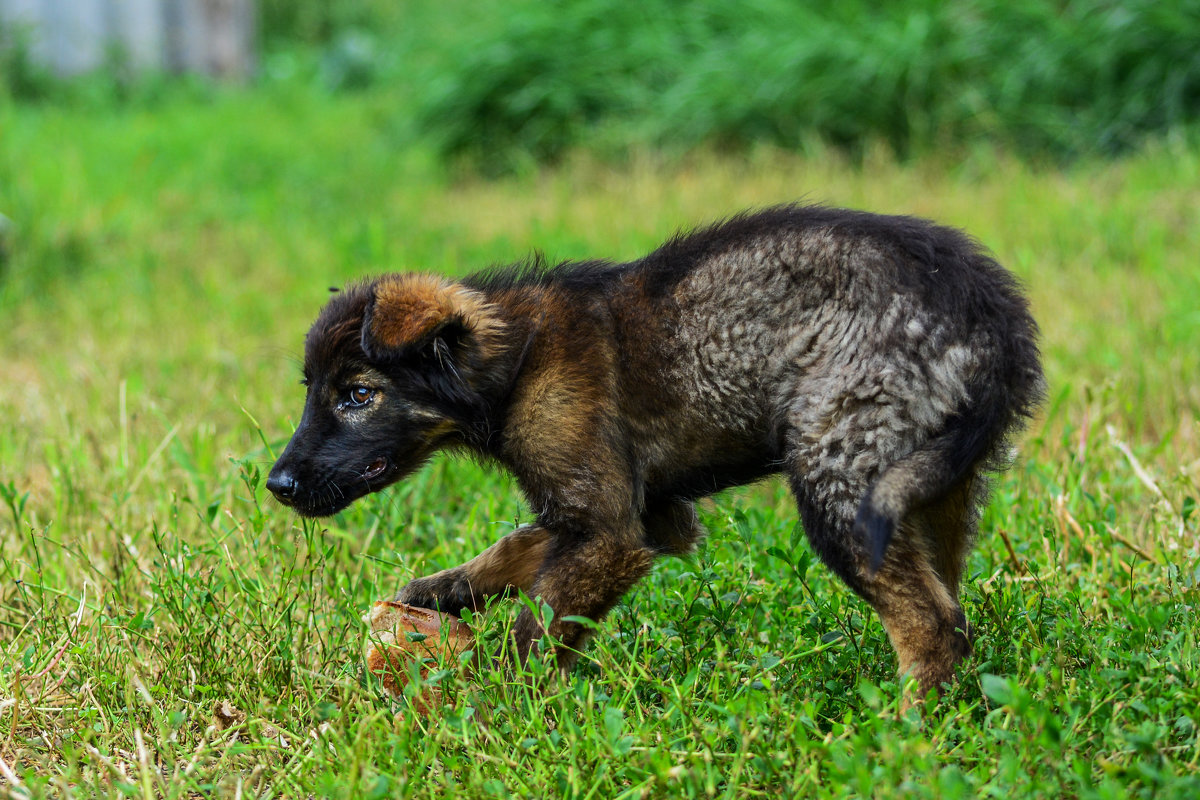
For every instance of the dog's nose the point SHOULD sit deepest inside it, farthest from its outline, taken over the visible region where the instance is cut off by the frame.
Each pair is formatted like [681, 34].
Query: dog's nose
[283, 485]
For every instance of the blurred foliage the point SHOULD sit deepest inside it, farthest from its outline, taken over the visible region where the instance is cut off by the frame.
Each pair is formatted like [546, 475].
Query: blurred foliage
[497, 82]
[320, 21]
[21, 77]
[1057, 77]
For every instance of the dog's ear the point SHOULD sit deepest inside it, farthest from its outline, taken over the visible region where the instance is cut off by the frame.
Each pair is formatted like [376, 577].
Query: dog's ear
[425, 315]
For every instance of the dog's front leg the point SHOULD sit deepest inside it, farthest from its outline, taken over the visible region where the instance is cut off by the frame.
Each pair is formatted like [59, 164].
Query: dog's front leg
[581, 577]
[509, 565]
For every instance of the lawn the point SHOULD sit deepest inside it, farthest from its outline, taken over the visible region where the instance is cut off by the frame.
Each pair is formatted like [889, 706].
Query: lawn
[160, 266]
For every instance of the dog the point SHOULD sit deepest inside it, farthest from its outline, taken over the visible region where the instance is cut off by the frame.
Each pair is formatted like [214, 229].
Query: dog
[881, 363]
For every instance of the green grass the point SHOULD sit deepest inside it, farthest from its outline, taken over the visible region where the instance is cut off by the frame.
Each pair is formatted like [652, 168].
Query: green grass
[158, 276]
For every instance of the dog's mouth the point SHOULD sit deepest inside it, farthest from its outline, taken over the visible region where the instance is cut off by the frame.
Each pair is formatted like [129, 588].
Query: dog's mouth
[375, 469]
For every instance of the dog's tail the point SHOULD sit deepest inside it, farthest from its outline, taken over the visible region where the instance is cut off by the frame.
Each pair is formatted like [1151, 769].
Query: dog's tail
[923, 475]
[973, 439]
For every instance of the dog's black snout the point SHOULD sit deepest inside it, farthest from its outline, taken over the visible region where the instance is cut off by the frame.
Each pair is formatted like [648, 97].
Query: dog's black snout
[282, 484]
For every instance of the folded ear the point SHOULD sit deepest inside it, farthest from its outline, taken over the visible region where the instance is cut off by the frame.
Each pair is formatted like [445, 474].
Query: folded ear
[415, 314]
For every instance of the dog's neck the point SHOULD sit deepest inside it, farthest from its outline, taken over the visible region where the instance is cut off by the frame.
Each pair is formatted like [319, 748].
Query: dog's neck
[505, 374]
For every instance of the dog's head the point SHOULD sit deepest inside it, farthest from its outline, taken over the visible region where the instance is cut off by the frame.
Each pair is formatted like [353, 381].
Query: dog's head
[394, 368]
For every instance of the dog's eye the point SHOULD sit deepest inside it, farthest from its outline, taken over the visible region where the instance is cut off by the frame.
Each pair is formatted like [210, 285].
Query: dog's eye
[359, 396]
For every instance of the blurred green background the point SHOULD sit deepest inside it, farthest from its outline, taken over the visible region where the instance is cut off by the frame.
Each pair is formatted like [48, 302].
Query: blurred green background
[501, 80]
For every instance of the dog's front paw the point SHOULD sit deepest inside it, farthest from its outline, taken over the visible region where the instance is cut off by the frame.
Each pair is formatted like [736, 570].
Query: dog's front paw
[439, 593]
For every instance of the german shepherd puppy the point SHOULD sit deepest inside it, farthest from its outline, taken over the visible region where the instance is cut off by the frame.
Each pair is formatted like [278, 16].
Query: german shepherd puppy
[881, 363]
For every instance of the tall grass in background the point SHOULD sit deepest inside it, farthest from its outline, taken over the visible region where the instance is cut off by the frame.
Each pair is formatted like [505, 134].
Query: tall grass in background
[1063, 78]
[498, 80]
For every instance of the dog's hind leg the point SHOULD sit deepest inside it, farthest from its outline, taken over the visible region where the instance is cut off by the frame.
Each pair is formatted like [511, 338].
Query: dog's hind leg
[914, 589]
[509, 565]
[921, 615]
[948, 527]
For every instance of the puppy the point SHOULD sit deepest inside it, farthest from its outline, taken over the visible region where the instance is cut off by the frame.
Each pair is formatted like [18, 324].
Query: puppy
[880, 363]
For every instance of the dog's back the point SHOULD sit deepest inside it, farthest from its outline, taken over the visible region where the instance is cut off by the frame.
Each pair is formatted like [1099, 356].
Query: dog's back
[841, 339]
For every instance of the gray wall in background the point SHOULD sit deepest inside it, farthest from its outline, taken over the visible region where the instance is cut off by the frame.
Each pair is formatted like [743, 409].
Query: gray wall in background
[213, 37]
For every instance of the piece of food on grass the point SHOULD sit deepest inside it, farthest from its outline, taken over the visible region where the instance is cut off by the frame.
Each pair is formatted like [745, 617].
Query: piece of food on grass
[401, 634]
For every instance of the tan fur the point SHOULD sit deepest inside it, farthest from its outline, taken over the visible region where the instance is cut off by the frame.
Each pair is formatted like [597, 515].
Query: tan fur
[511, 564]
[409, 307]
[582, 580]
[923, 621]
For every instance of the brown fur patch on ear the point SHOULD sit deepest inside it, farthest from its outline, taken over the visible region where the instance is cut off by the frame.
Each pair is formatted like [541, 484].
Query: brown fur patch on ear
[409, 307]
